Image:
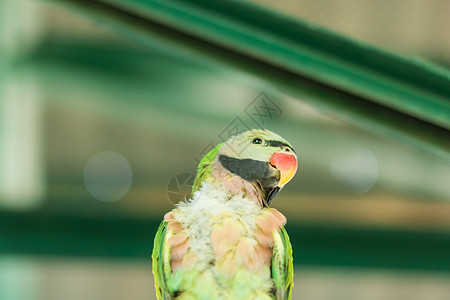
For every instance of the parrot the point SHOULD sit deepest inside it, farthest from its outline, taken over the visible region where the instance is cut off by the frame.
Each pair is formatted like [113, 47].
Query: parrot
[225, 242]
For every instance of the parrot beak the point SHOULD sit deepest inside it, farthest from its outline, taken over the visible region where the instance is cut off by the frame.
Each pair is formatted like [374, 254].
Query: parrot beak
[286, 164]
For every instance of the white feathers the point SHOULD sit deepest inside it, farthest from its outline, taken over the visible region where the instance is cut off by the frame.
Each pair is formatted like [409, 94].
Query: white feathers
[216, 199]
[197, 216]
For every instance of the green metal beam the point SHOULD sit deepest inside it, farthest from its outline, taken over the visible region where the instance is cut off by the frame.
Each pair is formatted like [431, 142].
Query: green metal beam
[403, 99]
[43, 233]
[314, 53]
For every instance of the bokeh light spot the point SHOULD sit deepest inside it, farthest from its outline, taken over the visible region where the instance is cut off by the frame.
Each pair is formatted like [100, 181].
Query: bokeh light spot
[357, 169]
[108, 176]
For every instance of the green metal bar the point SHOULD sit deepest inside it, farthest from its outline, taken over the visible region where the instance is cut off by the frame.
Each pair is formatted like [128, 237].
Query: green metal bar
[44, 233]
[345, 64]
[402, 99]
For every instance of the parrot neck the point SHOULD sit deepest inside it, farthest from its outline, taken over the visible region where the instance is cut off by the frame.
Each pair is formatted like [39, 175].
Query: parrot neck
[223, 179]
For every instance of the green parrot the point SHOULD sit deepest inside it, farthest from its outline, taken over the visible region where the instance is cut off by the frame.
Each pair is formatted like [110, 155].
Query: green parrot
[225, 242]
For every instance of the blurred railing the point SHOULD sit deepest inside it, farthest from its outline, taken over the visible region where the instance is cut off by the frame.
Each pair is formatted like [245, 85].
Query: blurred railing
[121, 237]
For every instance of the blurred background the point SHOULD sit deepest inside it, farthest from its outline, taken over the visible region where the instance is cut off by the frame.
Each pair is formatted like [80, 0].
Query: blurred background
[99, 135]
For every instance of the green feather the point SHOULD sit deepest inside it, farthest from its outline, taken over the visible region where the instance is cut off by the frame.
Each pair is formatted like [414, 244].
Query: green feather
[204, 168]
[160, 265]
[282, 266]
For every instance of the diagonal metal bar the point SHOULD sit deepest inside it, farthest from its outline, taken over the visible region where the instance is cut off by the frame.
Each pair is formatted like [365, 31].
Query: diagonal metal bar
[399, 98]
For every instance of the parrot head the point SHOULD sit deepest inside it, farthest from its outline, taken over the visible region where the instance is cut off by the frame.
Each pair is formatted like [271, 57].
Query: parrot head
[261, 159]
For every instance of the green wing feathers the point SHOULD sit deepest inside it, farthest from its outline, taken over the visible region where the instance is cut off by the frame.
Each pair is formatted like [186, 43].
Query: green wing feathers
[160, 267]
[282, 266]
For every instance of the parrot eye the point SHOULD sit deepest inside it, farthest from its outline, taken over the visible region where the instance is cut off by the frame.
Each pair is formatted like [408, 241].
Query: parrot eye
[257, 141]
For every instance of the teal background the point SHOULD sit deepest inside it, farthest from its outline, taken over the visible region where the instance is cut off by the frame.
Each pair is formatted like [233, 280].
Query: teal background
[360, 92]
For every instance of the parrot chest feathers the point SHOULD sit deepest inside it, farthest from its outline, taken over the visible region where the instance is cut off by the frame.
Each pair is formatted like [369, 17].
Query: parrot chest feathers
[210, 208]
[225, 239]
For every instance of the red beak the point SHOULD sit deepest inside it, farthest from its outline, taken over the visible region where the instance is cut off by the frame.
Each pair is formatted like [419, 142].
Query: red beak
[287, 164]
